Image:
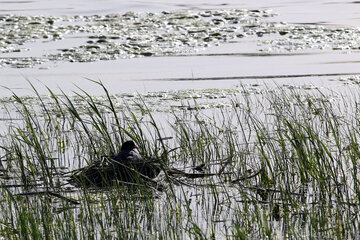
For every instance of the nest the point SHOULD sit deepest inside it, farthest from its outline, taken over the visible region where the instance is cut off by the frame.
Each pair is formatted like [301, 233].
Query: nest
[107, 171]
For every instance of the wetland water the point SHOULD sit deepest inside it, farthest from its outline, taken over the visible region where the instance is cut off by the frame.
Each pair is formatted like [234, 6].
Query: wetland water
[239, 57]
[263, 94]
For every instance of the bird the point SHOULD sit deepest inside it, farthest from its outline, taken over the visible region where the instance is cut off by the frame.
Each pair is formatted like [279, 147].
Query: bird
[128, 153]
[126, 166]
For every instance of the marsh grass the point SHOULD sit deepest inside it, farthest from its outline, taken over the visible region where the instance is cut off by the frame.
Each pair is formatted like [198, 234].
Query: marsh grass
[282, 164]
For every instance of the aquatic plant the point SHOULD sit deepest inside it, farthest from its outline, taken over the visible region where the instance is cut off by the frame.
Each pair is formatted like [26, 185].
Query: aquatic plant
[277, 163]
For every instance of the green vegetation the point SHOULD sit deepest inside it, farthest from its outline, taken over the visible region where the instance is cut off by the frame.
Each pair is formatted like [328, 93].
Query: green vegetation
[280, 164]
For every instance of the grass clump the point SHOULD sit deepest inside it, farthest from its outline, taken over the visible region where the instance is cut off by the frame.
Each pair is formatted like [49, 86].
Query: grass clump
[280, 164]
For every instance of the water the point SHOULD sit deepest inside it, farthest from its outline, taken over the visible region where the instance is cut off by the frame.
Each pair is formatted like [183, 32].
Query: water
[156, 73]
[293, 11]
[215, 205]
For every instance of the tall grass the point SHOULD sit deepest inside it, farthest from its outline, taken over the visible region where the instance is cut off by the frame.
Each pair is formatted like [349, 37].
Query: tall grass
[282, 164]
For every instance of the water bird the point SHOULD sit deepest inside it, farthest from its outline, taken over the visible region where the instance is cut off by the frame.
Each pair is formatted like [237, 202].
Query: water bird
[128, 153]
[127, 167]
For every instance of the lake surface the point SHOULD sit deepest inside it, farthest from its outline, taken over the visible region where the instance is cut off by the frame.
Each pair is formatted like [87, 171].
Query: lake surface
[216, 66]
[248, 90]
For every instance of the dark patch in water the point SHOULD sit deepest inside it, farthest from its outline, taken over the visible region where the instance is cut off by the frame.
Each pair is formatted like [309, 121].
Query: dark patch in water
[245, 54]
[313, 23]
[341, 62]
[260, 77]
[204, 4]
[31, 9]
[16, 1]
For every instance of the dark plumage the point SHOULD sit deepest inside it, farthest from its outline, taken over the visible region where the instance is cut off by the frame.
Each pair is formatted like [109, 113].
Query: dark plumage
[128, 153]
[126, 166]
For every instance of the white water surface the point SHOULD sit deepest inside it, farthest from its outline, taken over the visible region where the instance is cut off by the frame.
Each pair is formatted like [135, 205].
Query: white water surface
[227, 61]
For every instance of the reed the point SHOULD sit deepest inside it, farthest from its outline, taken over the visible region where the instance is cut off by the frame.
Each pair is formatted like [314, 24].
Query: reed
[282, 164]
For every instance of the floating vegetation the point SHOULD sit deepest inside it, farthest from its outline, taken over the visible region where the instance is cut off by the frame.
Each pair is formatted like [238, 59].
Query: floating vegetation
[349, 80]
[127, 35]
[300, 37]
[21, 62]
[162, 101]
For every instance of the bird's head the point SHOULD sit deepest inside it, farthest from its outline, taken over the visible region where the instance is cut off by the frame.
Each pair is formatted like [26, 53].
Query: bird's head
[128, 146]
